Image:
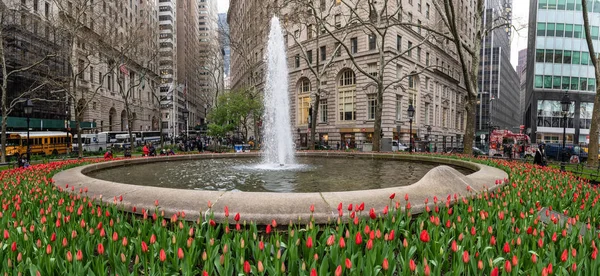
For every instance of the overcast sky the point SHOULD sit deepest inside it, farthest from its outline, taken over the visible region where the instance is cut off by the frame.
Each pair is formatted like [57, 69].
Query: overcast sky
[520, 17]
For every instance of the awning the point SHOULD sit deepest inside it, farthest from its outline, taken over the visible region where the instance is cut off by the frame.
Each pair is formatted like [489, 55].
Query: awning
[37, 124]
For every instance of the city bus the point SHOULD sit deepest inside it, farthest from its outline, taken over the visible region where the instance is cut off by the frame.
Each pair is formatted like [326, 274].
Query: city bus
[41, 142]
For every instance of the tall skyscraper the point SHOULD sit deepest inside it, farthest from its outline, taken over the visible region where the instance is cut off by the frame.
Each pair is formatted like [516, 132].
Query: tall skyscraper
[225, 44]
[498, 105]
[171, 91]
[210, 74]
[558, 62]
[522, 72]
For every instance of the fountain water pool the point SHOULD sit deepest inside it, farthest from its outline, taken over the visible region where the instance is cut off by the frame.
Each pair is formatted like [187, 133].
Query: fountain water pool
[277, 139]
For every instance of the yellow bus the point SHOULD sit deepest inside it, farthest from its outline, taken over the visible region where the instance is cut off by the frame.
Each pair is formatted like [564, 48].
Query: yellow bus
[41, 142]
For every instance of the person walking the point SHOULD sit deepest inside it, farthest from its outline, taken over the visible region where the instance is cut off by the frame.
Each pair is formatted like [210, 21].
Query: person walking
[540, 156]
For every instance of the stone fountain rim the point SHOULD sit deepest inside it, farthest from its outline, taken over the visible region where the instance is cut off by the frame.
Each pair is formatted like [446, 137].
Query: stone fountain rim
[262, 207]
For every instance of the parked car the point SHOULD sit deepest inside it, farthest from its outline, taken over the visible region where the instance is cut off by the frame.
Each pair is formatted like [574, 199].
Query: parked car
[553, 151]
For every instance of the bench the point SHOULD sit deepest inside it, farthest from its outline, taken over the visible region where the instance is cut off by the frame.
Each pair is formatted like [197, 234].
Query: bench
[584, 171]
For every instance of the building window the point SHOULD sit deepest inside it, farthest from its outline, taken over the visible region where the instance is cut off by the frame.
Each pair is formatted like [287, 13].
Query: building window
[297, 60]
[47, 9]
[398, 71]
[309, 56]
[91, 74]
[409, 53]
[372, 68]
[354, 45]
[398, 107]
[338, 49]
[297, 34]
[304, 86]
[309, 31]
[426, 59]
[371, 105]
[323, 111]
[36, 5]
[372, 41]
[427, 11]
[347, 96]
[303, 106]
[323, 52]
[411, 82]
[418, 54]
[338, 21]
[398, 43]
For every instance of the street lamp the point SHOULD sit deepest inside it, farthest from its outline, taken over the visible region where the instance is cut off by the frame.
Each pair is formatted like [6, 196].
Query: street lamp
[186, 113]
[411, 113]
[28, 109]
[429, 137]
[565, 104]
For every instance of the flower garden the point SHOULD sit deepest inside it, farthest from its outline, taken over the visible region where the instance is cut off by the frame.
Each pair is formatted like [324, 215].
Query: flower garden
[45, 231]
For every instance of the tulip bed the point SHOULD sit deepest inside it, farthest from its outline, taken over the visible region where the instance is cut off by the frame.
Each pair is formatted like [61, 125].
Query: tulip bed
[45, 231]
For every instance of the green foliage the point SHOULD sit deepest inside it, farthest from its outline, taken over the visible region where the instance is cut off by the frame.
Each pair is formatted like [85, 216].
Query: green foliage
[234, 110]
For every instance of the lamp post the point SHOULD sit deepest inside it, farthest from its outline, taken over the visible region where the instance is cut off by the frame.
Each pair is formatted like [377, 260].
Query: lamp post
[565, 104]
[411, 113]
[186, 113]
[429, 138]
[28, 109]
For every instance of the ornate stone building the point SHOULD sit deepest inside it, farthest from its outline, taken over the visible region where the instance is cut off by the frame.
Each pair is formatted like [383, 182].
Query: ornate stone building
[422, 70]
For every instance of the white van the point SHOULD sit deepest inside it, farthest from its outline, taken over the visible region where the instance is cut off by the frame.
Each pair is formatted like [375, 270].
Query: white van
[396, 146]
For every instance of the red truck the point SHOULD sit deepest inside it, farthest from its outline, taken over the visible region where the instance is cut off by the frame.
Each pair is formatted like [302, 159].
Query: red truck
[520, 144]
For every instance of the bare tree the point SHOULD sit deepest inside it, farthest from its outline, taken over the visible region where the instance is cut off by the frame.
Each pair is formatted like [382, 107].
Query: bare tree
[593, 145]
[467, 49]
[378, 20]
[17, 63]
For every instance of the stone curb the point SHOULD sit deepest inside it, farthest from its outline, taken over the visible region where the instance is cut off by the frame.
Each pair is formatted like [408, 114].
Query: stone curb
[262, 207]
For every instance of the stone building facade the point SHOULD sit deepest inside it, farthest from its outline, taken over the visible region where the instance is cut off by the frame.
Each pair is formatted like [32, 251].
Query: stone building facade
[348, 96]
[109, 45]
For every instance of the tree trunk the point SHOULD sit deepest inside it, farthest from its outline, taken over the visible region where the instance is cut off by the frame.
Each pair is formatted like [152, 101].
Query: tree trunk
[377, 123]
[4, 121]
[469, 136]
[593, 145]
[313, 120]
[79, 141]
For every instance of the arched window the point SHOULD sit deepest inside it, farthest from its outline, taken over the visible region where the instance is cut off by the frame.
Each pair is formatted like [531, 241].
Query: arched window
[303, 100]
[347, 95]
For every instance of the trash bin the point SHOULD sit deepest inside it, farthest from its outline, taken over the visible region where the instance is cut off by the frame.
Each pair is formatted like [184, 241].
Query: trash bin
[238, 148]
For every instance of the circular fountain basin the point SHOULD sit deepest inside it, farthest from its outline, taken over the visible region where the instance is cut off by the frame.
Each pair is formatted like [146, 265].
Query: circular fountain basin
[310, 174]
[285, 207]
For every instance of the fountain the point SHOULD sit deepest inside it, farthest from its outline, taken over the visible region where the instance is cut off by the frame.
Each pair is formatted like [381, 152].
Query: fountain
[277, 139]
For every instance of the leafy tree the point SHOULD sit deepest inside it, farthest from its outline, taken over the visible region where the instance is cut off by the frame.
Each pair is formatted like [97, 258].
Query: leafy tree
[234, 110]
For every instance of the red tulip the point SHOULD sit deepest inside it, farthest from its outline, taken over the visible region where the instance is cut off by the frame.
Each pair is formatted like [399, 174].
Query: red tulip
[100, 249]
[349, 207]
[515, 260]
[313, 272]
[338, 270]
[386, 264]
[261, 245]
[412, 265]
[594, 254]
[69, 256]
[454, 247]
[48, 249]
[393, 195]
[274, 223]
[564, 256]
[156, 202]
[549, 268]
[534, 258]
[424, 236]
[372, 213]
[330, 240]
[144, 247]
[309, 242]
[212, 223]
[348, 263]
[361, 207]
[465, 256]
[226, 211]
[480, 264]
[162, 256]
[65, 242]
[53, 237]
[370, 244]
[358, 238]
[236, 217]
[312, 210]
[342, 242]
[152, 239]
[247, 267]
[180, 254]
[79, 255]
[406, 197]
[507, 267]
[6, 234]
[115, 236]
[268, 230]
[506, 248]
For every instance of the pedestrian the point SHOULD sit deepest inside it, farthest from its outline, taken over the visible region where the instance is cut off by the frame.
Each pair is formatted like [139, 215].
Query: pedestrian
[540, 156]
[435, 148]
[108, 154]
[145, 151]
[337, 145]
[200, 146]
